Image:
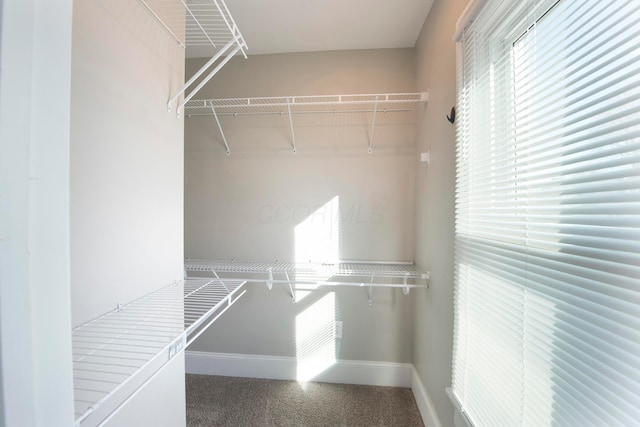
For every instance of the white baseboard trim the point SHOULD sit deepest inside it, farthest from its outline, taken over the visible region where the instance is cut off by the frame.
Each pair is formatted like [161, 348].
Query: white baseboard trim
[285, 368]
[424, 402]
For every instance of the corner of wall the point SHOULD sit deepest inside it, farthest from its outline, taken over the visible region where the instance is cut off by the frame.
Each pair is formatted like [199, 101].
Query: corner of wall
[424, 401]
[435, 201]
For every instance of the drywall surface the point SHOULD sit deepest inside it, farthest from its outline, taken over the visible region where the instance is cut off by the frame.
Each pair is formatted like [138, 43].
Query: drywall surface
[35, 321]
[436, 70]
[160, 403]
[126, 157]
[126, 171]
[330, 200]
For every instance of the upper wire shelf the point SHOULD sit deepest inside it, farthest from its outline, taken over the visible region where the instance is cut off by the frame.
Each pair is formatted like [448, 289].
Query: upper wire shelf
[313, 104]
[198, 23]
[195, 22]
[117, 353]
[370, 275]
[385, 102]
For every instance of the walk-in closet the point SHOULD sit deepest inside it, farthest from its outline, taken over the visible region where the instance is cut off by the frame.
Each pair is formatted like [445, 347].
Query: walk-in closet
[319, 213]
[238, 210]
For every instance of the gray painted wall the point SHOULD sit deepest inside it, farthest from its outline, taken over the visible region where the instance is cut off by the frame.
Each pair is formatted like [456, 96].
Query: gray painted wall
[126, 157]
[126, 176]
[250, 205]
[435, 53]
[155, 405]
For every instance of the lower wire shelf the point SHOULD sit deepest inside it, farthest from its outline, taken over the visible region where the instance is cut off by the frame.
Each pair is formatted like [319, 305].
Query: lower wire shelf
[367, 274]
[117, 353]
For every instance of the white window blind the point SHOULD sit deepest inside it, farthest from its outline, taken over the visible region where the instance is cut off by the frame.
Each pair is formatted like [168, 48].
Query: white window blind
[547, 297]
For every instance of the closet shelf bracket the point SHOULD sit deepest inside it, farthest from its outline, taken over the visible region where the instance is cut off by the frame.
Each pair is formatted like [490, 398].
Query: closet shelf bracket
[373, 125]
[224, 138]
[293, 136]
[292, 293]
[270, 281]
[370, 292]
[208, 77]
[405, 289]
[206, 24]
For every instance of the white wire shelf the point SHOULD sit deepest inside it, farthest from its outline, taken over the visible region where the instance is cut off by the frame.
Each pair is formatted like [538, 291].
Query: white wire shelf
[383, 102]
[195, 22]
[199, 23]
[314, 104]
[369, 275]
[117, 353]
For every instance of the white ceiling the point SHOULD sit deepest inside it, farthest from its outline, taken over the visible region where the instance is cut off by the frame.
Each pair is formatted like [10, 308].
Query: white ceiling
[278, 26]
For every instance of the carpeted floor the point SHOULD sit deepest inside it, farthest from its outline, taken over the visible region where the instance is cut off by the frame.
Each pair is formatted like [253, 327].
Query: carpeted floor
[230, 401]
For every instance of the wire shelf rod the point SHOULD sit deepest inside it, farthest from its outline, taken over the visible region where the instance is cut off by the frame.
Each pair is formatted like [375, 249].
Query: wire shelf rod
[131, 337]
[79, 351]
[126, 320]
[113, 349]
[119, 365]
[190, 12]
[123, 330]
[77, 369]
[117, 378]
[133, 303]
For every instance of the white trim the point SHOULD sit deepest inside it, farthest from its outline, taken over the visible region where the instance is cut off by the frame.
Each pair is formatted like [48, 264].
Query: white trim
[423, 400]
[468, 15]
[460, 418]
[35, 287]
[284, 368]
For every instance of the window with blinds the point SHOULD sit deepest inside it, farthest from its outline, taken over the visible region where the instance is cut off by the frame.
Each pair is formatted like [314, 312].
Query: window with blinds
[547, 261]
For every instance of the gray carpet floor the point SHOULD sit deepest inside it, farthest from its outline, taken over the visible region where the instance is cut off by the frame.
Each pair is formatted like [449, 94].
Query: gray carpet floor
[230, 401]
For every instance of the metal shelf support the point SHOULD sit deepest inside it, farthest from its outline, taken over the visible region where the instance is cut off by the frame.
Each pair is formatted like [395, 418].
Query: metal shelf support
[270, 281]
[203, 82]
[224, 139]
[373, 125]
[200, 72]
[293, 136]
[204, 23]
[405, 289]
